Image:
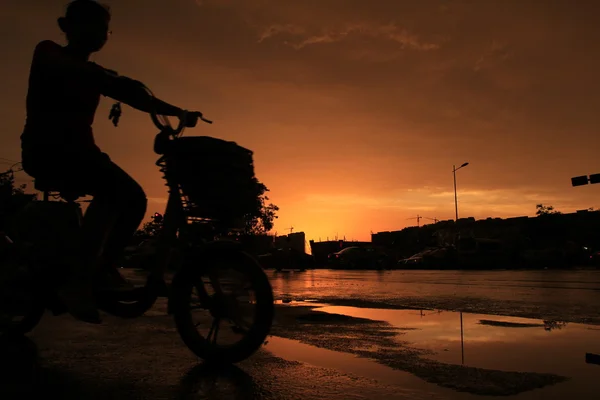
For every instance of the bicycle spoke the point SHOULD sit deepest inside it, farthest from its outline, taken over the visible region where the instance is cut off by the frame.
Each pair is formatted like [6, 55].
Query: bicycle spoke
[214, 329]
[236, 290]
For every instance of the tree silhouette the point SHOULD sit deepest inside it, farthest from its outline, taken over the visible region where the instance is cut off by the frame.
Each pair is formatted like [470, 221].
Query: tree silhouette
[12, 198]
[545, 210]
[152, 227]
[259, 221]
[550, 325]
[262, 217]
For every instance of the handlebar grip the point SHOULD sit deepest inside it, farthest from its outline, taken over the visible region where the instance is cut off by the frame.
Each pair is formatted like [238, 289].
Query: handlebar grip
[182, 121]
[208, 121]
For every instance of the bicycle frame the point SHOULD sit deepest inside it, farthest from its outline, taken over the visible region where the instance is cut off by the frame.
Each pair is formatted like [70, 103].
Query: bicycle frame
[174, 220]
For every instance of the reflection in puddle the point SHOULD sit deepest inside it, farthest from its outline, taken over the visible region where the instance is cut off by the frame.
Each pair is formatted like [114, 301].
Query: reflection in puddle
[499, 343]
[349, 364]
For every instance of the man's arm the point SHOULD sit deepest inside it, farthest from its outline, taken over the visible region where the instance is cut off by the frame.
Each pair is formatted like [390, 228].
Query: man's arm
[54, 58]
[132, 93]
[108, 82]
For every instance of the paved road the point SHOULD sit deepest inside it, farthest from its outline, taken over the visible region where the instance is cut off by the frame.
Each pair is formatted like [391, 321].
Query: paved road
[145, 359]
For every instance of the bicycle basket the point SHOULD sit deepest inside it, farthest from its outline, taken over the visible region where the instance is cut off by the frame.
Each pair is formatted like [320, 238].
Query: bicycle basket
[215, 176]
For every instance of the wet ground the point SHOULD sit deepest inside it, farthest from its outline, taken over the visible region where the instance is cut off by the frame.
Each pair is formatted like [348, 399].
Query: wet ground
[572, 296]
[343, 335]
[467, 353]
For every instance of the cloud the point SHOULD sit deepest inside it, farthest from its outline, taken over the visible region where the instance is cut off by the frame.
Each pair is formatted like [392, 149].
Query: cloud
[495, 53]
[299, 37]
[476, 203]
[277, 29]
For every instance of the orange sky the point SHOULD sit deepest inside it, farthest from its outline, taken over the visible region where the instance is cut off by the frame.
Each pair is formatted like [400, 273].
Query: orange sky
[356, 110]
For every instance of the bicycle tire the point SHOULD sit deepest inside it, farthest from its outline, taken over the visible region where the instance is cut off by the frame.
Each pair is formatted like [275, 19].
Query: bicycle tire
[183, 284]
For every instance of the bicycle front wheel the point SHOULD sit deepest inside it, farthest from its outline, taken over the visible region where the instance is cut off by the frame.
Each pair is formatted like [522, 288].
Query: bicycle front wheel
[229, 288]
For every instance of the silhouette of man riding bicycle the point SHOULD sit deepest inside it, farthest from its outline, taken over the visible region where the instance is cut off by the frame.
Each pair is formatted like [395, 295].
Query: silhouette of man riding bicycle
[211, 189]
[58, 146]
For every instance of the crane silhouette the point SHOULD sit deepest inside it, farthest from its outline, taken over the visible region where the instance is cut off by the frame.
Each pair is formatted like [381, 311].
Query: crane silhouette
[418, 218]
[291, 229]
[435, 220]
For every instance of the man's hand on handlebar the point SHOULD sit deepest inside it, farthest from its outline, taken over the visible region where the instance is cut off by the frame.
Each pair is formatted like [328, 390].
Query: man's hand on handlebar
[156, 107]
[192, 117]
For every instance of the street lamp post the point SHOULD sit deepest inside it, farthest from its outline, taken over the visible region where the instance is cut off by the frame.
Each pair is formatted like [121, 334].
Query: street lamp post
[454, 169]
[462, 340]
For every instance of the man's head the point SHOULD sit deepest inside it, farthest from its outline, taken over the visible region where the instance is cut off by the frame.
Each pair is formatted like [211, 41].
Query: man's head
[86, 25]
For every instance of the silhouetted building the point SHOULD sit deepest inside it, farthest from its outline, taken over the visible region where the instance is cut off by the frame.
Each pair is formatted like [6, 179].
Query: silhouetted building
[296, 241]
[550, 239]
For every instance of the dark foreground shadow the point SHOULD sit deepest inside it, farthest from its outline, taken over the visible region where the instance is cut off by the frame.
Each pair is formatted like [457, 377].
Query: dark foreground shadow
[24, 376]
[19, 367]
[209, 381]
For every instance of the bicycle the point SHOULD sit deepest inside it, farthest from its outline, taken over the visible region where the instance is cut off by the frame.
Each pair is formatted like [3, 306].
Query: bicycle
[193, 241]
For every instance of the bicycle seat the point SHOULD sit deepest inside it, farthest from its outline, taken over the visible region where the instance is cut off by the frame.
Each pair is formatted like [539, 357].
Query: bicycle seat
[57, 187]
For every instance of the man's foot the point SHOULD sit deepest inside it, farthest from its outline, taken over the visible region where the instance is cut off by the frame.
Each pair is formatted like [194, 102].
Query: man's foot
[80, 301]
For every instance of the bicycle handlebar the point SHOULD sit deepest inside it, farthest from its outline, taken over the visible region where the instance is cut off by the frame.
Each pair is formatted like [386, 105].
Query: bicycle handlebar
[208, 121]
[167, 126]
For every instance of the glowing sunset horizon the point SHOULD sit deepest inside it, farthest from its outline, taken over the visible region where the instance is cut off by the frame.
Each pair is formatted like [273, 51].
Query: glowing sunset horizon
[356, 111]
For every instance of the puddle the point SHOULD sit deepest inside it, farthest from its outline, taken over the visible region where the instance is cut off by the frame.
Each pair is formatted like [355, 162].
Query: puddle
[350, 364]
[499, 343]
[303, 302]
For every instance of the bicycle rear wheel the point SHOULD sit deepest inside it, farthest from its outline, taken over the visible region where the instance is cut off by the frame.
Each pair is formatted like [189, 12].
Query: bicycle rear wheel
[218, 292]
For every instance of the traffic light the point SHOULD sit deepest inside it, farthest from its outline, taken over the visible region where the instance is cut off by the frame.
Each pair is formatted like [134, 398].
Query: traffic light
[581, 180]
[157, 218]
[595, 178]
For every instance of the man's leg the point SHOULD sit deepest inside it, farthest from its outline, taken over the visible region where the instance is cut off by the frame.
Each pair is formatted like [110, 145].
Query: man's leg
[128, 202]
[99, 219]
[115, 194]
[132, 208]
[77, 291]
